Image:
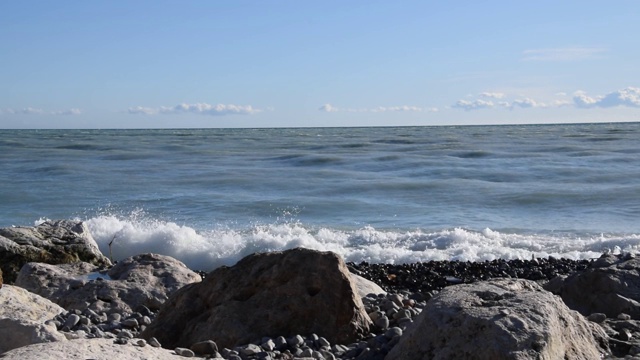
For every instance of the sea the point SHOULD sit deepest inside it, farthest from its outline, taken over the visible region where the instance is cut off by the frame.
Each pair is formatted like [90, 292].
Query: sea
[209, 197]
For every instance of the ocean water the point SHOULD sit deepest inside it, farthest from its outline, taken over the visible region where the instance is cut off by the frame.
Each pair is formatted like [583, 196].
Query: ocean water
[387, 195]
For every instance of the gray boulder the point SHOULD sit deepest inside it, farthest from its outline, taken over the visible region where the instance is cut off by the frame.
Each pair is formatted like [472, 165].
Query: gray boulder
[298, 291]
[22, 319]
[59, 242]
[611, 285]
[146, 279]
[498, 319]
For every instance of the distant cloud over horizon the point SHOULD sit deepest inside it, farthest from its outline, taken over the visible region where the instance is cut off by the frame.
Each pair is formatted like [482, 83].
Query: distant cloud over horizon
[197, 108]
[379, 109]
[572, 53]
[37, 111]
[629, 97]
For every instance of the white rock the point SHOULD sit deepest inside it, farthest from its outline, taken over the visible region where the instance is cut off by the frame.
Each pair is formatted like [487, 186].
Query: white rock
[141, 280]
[23, 316]
[466, 322]
[97, 349]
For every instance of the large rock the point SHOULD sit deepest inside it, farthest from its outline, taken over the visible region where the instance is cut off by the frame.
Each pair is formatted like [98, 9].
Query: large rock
[22, 319]
[96, 349]
[146, 279]
[59, 242]
[286, 293]
[611, 285]
[498, 319]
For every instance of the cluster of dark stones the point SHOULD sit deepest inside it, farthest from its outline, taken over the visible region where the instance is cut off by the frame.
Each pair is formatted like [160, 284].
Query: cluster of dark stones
[424, 277]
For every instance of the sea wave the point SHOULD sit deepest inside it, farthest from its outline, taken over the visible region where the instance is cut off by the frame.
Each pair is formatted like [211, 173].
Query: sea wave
[207, 249]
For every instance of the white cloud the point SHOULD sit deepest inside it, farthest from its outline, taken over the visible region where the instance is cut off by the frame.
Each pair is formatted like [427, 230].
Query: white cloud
[379, 109]
[492, 95]
[73, 111]
[629, 96]
[573, 53]
[473, 105]
[37, 111]
[526, 103]
[328, 108]
[198, 108]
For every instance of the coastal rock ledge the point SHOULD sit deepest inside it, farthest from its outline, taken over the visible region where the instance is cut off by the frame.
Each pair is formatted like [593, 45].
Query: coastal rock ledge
[52, 242]
[297, 291]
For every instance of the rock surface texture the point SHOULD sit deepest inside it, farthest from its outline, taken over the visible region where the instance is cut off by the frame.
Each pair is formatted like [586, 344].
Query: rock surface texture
[286, 293]
[96, 349]
[59, 242]
[611, 285]
[141, 280]
[497, 319]
[22, 319]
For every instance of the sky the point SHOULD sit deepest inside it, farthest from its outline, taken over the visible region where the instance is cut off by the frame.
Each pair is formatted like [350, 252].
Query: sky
[303, 63]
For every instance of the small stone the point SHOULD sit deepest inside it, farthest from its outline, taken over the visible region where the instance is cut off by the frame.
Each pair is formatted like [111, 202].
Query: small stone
[382, 322]
[141, 343]
[624, 335]
[125, 334]
[281, 343]
[145, 320]
[250, 349]
[120, 341]
[374, 315]
[597, 317]
[393, 332]
[207, 347]
[322, 342]
[114, 317]
[295, 341]
[184, 352]
[268, 345]
[504, 312]
[154, 342]
[396, 298]
[624, 316]
[71, 321]
[130, 323]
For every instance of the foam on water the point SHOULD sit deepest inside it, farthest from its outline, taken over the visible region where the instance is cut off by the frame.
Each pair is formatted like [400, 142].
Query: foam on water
[208, 249]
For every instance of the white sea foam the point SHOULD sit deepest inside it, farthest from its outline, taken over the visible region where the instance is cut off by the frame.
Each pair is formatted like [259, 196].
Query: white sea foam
[208, 249]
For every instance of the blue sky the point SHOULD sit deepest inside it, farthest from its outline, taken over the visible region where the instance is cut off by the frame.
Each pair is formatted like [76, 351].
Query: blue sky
[159, 64]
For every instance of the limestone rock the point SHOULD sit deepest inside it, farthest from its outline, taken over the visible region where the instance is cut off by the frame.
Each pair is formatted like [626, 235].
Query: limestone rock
[146, 279]
[96, 349]
[609, 286]
[366, 287]
[59, 242]
[23, 316]
[292, 292]
[469, 322]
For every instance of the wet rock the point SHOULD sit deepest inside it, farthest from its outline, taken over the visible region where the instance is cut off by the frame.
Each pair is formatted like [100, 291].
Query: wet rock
[52, 242]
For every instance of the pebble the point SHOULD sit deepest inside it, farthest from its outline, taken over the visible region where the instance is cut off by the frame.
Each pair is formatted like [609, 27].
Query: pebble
[154, 342]
[597, 317]
[71, 321]
[184, 352]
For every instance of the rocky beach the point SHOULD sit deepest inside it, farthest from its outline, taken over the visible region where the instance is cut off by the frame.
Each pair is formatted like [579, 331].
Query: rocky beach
[60, 297]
